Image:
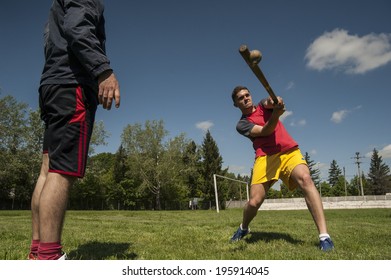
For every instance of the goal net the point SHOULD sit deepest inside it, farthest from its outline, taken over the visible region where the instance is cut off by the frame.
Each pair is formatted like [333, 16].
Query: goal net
[215, 176]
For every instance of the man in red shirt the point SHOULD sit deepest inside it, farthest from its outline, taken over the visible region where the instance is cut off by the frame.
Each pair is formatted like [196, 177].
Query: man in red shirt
[277, 156]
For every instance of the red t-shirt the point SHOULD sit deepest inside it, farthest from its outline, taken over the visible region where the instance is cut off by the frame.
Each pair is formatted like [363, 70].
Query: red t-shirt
[278, 141]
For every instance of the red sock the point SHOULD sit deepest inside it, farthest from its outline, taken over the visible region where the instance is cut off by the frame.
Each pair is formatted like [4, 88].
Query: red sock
[49, 251]
[33, 249]
[34, 246]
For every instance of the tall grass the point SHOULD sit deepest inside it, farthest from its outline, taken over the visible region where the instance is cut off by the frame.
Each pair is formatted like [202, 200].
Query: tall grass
[362, 234]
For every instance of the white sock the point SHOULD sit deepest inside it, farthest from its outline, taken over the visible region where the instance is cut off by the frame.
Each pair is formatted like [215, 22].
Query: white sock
[241, 227]
[323, 236]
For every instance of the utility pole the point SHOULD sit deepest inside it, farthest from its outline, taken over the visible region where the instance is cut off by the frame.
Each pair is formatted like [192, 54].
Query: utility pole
[319, 183]
[358, 162]
[344, 180]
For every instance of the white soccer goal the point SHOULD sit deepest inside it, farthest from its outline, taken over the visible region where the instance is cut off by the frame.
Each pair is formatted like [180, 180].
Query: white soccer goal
[216, 193]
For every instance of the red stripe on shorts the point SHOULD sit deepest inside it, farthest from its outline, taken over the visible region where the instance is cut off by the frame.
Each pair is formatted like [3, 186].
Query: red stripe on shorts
[80, 113]
[80, 117]
[82, 147]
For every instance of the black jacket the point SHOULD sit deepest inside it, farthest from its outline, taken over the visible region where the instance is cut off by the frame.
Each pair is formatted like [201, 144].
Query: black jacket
[75, 43]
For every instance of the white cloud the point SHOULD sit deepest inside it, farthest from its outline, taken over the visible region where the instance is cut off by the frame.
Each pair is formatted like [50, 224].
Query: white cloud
[313, 152]
[285, 115]
[290, 85]
[354, 54]
[302, 122]
[385, 152]
[204, 126]
[337, 117]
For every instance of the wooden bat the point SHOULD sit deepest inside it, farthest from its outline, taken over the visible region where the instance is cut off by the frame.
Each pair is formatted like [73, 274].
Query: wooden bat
[252, 59]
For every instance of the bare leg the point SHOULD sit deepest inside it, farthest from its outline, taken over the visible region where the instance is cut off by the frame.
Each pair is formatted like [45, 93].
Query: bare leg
[257, 196]
[301, 176]
[36, 196]
[52, 206]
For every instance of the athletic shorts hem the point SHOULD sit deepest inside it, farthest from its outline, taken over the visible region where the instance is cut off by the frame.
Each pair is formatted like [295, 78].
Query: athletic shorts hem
[72, 174]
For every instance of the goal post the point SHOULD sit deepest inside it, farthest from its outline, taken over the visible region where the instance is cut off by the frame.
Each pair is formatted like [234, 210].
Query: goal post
[224, 177]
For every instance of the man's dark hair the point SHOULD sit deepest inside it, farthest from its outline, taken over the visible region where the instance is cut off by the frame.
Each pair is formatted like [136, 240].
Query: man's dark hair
[236, 90]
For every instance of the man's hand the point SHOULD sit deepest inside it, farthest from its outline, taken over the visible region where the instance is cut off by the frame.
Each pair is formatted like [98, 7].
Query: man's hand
[108, 90]
[270, 125]
[268, 103]
[278, 109]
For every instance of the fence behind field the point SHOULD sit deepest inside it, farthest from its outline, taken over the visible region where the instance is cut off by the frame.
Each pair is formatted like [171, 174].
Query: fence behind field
[342, 202]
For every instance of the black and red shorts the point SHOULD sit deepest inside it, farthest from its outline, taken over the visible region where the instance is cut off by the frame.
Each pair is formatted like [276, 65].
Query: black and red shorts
[69, 114]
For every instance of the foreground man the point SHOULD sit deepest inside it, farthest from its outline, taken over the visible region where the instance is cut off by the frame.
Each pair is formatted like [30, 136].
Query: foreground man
[76, 78]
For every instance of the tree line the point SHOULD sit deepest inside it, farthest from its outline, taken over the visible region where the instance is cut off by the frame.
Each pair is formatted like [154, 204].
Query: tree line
[149, 170]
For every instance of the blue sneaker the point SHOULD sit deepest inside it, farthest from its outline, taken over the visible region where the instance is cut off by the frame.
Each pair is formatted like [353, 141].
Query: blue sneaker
[240, 233]
[326, 245]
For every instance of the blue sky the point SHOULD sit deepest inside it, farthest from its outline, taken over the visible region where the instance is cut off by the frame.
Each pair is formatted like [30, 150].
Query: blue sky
[178, 61]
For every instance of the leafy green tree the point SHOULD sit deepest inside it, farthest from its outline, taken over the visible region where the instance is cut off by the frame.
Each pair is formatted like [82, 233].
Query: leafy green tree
[29, 156]
[334, 173]
[158, 162]
[89, 192]
[98, 137]
[285, 192]
[144, 147]
[120, 169]
[378, 176]
[34, 135]
[211, 164]
[20, 151]
[12, 124]
[192, 159]
[273, 193]
[314, 171]
[173, 172]
[325, 189]
[354, 186]
[338, 188]
[122, 192]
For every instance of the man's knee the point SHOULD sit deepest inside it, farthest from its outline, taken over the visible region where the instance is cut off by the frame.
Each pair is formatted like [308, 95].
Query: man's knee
[307, 180]
[258, 194]
[255, 202]
[306, 183]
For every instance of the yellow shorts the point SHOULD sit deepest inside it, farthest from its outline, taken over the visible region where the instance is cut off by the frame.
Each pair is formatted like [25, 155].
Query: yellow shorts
[277, 166]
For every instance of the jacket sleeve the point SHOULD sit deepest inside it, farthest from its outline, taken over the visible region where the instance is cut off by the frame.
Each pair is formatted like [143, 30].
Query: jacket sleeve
[85, 34]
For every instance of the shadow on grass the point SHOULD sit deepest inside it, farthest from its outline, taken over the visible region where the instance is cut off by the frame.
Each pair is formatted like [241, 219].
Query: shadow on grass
[270, 236]
[102, 251]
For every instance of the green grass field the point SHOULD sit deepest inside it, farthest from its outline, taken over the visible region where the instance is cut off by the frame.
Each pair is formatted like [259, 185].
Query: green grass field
[204, 235]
